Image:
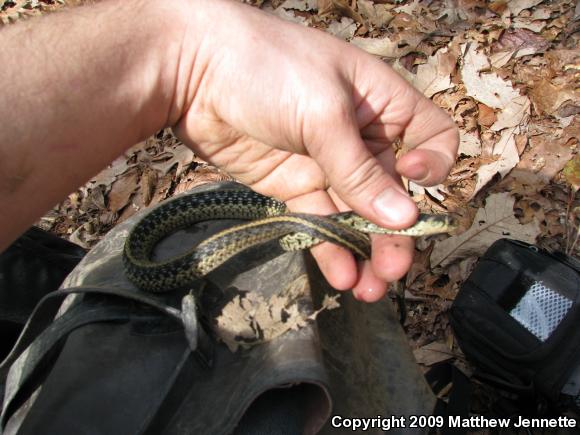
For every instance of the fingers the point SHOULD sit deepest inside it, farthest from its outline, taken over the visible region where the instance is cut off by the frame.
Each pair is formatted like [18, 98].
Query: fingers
[392, 108]
[392, 257]
[336, 263]
[356, 175]
[369, 287]
[424, 166]
[435, 138]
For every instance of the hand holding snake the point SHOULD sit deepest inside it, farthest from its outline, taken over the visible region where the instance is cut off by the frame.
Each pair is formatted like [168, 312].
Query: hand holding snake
[303, 117]
[293, 112]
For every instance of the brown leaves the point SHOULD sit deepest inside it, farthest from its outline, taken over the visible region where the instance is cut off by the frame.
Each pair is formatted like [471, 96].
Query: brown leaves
[435, 75]
[144, 175]
[492, 222]
[252, 319]
[15, 10]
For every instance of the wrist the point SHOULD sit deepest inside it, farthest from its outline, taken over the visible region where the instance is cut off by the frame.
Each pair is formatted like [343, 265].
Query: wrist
[172, 44]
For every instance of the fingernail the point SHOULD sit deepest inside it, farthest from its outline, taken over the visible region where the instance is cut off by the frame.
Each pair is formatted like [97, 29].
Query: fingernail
[417, 172]
[393, 206]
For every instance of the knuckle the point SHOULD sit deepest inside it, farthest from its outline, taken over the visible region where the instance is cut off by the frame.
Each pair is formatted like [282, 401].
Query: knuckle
[367, 173]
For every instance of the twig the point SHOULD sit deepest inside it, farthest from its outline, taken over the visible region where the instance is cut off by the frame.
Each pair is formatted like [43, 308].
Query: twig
[569, 251]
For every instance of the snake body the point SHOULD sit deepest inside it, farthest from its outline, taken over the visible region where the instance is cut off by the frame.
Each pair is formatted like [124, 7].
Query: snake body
[268, 219]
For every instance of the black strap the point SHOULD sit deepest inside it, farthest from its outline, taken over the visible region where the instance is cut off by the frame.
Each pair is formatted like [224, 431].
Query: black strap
[458, 405]
[20, 382]
[33, 353]
[44, 313]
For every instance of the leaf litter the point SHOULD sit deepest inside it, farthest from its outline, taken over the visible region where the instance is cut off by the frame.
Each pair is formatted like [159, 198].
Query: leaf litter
[506, 71]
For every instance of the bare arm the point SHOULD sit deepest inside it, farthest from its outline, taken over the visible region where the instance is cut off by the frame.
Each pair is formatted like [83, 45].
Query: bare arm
[78, 88]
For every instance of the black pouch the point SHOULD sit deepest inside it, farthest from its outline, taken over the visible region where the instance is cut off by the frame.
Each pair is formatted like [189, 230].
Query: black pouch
[516, 319]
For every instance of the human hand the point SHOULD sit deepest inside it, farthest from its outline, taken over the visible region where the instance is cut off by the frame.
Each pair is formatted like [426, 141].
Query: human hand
[306, 118]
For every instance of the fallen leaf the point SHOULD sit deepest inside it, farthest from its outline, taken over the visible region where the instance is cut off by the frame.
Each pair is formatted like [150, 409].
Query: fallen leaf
[344, 29]
[252, 319]
[435, 75]
[383, 47]
[486, 115]
[547, 97]
[118, 167]
[546, 157]
[147, 184]
[203, 175]
[501, 58]
[420, 265]
[179, 155]
[111, 172]
[434, 191]
[300, 5]
[121, 191]
[469, 144]
[162, 189]
[515, 113]
[410, 8]
[433, 353]
[487, 88]
[521, 39]
[531, 24]
[571, 172]
[494, 221]
[509, 157]
[341, 6]
[285, 14]
[376, 14]
[516, 6]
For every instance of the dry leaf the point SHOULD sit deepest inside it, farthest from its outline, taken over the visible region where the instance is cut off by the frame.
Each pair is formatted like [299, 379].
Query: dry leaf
[521, 41]
[122, 190]
[486, 115]
[383, 47]
[285, 14]
[487, 88]
[376, 14]
[434, 191]
[516, 113]
[572, 172]
[147, 185]
[341, 6]
[409, 8]
[420, 265]
[119, 166]
[494, 221]
[516, 6]
[344, 29]
[531, 24]
[433, 353]
[300, 5]
[545, 158]
[469, 144]
[179, 155]
[509, 157]
[111, 172]
[547, 97]
[250, 320]
[433, 76]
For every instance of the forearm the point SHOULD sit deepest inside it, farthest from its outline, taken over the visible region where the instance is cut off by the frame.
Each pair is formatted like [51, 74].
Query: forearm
[78, 88]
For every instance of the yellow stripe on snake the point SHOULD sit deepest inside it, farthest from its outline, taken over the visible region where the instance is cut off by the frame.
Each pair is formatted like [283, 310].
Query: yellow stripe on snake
[269, 220]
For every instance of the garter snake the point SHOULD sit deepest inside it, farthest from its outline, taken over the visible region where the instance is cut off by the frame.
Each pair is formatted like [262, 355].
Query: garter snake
[268, 219]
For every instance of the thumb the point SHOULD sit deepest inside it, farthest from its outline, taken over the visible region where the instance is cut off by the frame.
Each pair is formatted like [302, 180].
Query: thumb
[358, 177]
